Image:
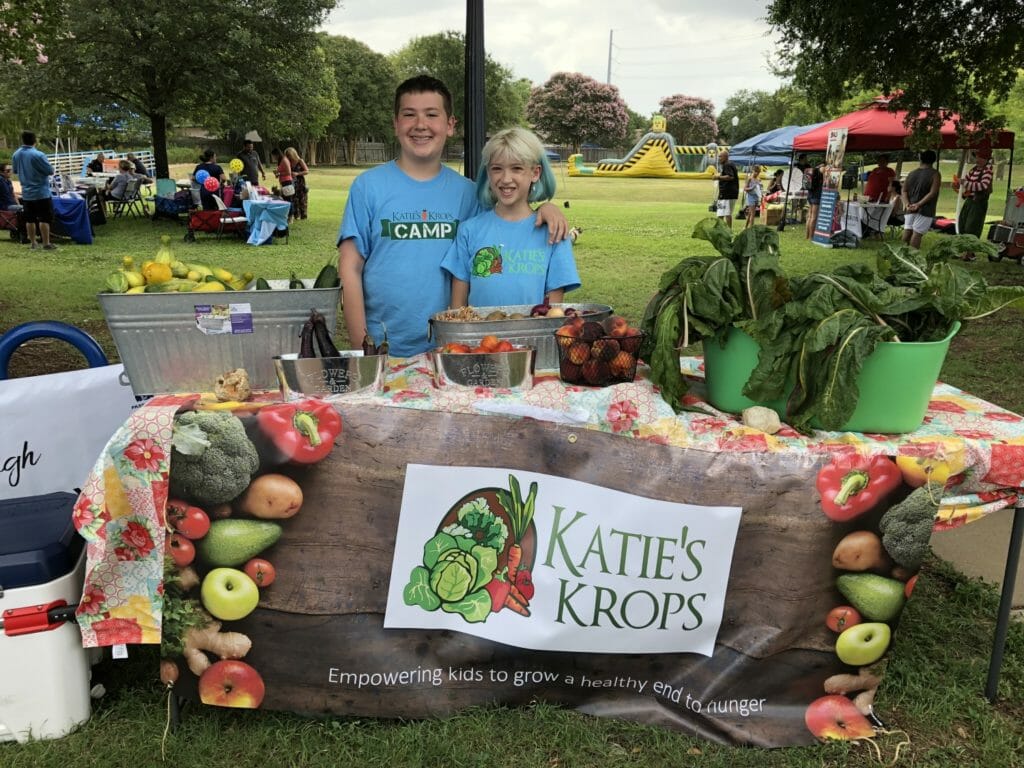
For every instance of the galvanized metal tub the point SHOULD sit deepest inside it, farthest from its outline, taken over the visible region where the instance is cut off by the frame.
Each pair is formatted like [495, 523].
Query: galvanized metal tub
[329, 377]
[169, 342]
[499, 370]
[536, 332]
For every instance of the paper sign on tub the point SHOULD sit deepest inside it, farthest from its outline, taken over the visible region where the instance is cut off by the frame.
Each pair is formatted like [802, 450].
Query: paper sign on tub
[553, 564]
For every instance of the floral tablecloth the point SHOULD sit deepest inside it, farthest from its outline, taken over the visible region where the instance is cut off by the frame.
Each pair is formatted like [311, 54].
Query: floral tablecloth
[120, 511]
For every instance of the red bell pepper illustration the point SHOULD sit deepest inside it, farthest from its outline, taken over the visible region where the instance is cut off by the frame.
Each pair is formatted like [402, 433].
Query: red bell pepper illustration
[304, 431]
[852, 484]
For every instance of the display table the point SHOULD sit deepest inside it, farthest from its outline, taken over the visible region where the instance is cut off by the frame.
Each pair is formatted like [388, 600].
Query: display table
[874, 216]
[264, 217]
[71, 218]
[681, 564]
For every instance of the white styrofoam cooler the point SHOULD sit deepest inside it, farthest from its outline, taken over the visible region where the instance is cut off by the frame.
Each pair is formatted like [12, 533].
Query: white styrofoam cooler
[44, 676]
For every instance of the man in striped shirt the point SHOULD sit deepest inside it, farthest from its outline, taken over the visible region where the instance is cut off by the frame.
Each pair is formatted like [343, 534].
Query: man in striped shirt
[977, 186]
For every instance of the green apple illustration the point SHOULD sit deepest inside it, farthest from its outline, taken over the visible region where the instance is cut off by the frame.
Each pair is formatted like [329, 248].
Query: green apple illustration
[863, 644]
[229, 594]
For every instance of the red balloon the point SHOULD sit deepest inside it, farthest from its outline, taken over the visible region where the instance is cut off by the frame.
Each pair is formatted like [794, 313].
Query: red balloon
[211, 184]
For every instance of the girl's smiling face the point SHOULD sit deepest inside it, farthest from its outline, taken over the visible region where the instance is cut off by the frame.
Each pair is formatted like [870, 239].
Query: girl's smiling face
[510, 180]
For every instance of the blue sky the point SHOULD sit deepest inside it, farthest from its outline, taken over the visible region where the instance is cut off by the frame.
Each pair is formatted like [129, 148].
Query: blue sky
[659, 47]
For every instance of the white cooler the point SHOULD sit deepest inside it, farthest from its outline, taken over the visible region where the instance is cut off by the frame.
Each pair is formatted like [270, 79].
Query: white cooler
[44, 676]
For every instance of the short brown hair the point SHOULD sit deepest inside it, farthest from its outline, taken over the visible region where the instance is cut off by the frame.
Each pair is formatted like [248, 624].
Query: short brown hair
[424, 84]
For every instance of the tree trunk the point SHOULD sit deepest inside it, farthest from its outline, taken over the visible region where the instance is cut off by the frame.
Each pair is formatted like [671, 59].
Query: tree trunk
[158, 127]
[350, 151]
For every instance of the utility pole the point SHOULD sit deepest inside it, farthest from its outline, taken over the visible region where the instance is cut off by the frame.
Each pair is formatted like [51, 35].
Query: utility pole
[611, 34]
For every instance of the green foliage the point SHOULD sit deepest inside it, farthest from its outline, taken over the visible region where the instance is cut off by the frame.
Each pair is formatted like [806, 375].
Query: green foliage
[366, 82]
[571, 108]
[941, 57]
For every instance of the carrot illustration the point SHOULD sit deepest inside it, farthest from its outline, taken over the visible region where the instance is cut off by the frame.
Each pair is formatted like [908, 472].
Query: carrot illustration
[515, 605]
[520, 516]
[518, 595]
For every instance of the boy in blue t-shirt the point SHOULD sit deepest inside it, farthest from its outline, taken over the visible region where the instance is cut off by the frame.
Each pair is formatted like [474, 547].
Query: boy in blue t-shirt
[399, 221]
[500, 257]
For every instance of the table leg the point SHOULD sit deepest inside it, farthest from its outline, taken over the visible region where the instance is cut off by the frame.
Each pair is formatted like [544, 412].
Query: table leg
[1005, 604]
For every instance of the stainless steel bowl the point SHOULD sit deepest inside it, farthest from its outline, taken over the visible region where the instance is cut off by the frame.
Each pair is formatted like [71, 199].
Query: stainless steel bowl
[498, 370]
[328, 377]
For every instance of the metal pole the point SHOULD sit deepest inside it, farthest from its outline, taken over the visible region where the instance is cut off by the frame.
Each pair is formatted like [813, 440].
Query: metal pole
[1005, 603]
[611, 34]
[474, 106]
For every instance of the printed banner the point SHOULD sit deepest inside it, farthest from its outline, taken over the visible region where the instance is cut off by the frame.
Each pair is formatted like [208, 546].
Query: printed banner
[827, 221]
[742, 596]
[605, 571]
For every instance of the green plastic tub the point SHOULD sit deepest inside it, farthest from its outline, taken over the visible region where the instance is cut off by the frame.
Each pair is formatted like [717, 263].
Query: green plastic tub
[895, 383]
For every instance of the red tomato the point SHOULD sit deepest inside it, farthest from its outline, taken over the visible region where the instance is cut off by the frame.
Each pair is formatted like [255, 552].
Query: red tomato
[489, 343]
[190, 521]
[504, 346]
[181, 550]
[842, 617]
[260, 571]
[455, 348]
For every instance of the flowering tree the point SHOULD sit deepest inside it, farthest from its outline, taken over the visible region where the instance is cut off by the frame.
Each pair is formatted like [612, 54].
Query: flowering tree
[24, 27]
[691, 120]
[571, 108]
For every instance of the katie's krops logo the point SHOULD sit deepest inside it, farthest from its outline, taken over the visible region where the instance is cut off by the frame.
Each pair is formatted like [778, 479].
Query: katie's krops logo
[480, 560]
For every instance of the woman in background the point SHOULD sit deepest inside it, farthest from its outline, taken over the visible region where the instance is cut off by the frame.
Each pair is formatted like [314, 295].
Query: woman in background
[300, 202]
[283, 171]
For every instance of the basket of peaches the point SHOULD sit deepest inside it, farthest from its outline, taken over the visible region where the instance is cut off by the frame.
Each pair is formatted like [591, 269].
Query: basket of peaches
[493, 363]
[597, 354]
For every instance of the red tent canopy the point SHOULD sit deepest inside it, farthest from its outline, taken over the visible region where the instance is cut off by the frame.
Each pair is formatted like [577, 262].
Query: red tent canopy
[875, 128]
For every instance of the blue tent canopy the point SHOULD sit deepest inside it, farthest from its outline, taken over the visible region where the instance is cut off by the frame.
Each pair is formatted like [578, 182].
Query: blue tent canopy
[772, 147]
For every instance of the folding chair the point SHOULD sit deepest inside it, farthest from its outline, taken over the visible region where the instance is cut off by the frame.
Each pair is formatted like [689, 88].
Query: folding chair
[132, 201]
[232, 220]
[12, 220]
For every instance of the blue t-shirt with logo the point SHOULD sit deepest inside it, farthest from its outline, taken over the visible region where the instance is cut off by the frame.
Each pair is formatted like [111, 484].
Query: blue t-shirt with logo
[403, 228]
[509, 262]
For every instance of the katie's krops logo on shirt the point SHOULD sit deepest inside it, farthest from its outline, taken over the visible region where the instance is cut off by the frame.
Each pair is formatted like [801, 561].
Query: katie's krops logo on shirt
[420, 225]
[551, 563]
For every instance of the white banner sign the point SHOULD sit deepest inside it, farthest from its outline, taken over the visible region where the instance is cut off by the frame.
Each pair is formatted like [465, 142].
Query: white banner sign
[548, 563]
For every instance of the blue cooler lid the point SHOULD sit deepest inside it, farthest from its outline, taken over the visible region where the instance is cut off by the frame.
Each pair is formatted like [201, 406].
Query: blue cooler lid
[38, 540]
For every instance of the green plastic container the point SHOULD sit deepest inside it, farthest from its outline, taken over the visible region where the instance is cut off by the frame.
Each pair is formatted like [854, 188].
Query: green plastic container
[895, 383]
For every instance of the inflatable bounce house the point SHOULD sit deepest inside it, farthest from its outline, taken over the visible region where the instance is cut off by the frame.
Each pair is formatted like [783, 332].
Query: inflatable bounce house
[656, 155]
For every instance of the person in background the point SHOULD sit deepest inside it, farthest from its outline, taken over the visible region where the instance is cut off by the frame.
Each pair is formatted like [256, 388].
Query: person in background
[252, 166]
[752, 195]
[920, 196]
[117, 186]
[283, 171]
[814, 179]
[300, 202]
[775, 188]
[977, 187]
[138, 168]
[728, 179]
[8, 200]
[500, 257]
[400, 219]
[895, 196]
[95, 165]
[34, 172]
[208, 163]
[877, 185]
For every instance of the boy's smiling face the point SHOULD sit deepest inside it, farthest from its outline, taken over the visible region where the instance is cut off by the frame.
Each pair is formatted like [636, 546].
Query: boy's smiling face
[422, 127]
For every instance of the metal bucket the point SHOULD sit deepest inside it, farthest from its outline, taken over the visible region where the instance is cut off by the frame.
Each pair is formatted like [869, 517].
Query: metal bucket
[328, 377]
[499, 370]
[536, 332]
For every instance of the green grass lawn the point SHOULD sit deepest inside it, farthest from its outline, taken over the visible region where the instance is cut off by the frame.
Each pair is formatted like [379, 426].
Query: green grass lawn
[633, 229]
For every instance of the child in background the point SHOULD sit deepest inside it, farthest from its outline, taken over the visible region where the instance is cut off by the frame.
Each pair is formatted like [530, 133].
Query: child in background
[752, 194]
[400, 220]
[500, 257]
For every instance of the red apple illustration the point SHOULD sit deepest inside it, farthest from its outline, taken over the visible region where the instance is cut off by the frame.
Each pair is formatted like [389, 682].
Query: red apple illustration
[836, 717]
[231, 683]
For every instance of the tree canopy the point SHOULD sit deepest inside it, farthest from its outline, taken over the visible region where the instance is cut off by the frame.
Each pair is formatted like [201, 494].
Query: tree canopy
[690, 120]
[940, 57]
[224, 62]
[571, 108]
[366, 83]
